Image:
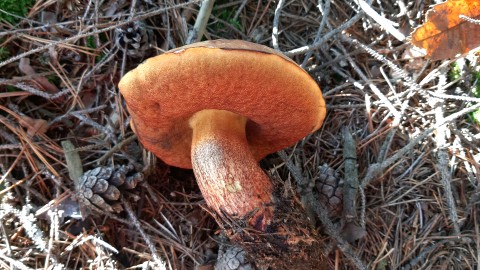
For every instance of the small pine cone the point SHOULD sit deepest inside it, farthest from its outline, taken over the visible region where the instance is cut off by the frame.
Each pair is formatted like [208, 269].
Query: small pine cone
[100, 188]
[133, 39]
[330, 189]
[232, 258]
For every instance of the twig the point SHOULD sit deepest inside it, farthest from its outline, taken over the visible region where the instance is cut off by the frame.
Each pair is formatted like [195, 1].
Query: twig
[446, 178]
[54, 225]
[442, 155]
[404, 75]
[382, 154]
[86, 120]
[80, 239]
[325, 11]
[69, 114]
[453, 97]
[160, 263]
[198, 30]
[377, 168]
[15, 263]
[276, 18]
[28, 221]
[322, 213]
[116, 148]
[239, 10]
[7, 242]
[396, 114]
[422, 255]
[34, 91]
[325, 38]
[414, 164]
[86, 33]
[384, 22]
[351, 176]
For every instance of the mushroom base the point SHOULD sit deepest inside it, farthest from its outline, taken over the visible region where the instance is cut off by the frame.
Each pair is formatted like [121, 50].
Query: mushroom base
[228, 175]
[291, 241]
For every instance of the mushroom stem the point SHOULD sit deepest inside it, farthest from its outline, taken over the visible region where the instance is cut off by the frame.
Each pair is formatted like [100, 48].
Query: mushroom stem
[227, 173]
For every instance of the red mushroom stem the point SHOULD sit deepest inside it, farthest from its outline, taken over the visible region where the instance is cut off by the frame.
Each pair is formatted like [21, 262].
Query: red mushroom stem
[227, 173]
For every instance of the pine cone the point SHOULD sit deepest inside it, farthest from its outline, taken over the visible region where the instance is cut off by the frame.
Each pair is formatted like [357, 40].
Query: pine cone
[133, 39]
[330, 189]
[232, 258]
[100, 188]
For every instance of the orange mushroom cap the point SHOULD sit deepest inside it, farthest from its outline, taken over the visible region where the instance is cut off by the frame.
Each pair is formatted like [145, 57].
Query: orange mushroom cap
[280, 100]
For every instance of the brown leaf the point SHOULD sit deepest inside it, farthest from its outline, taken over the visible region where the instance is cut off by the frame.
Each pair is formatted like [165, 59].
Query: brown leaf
[34, 126]
[27, 69]
[445, 34]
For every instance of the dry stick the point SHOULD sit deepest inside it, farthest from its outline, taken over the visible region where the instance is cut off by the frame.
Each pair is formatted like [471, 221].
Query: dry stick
[276, 18]
[442, 155]
[307, 196]
[116, 148]
[239, 10]
[457, 144]
[54, 224]
[88, 121]
[384, 22]
[110, 55]
[326, 37]
[461, 98]
[198, 30]
[15, 263]
[325, 11]
[405, 76]
[397, 115]
[37, 92]
[86, 33]
[69, 114]
[423, 254]
[148, 241]
[410, 168]
[382, 154]
[376, 169]
[351, 176]
[7, 242]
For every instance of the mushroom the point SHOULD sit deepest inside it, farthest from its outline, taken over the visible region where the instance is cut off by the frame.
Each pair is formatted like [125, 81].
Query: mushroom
[219, 107]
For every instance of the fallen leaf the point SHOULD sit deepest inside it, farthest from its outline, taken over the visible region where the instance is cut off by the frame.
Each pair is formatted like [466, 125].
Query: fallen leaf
[445, 34]
[34, 126]
[27, 69]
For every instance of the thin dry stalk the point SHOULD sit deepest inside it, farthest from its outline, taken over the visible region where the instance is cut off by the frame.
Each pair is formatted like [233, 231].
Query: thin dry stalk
[351, 177]
[200, 25]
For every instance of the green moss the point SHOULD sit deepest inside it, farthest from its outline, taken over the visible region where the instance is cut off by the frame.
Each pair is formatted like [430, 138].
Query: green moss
[455, 72]
[4, 53]
[92, 45]
[15, 7]
[54, 79]
[476, 93]
[227, 15]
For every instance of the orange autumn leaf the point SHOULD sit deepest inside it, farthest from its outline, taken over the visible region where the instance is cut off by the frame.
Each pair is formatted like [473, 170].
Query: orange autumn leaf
[445, 34]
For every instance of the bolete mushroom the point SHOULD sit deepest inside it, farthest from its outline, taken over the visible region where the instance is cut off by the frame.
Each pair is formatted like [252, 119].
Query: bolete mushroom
[219, 107]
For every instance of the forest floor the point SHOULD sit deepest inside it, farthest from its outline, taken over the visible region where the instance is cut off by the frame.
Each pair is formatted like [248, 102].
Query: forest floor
[411, 122]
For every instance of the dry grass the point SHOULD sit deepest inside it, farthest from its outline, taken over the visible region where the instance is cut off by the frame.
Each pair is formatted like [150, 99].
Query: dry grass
[417, 147]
